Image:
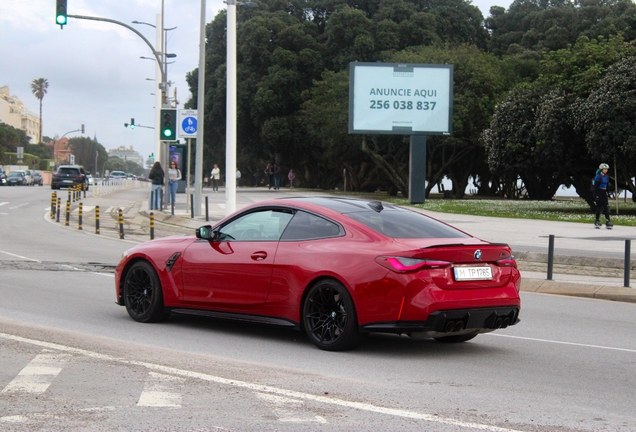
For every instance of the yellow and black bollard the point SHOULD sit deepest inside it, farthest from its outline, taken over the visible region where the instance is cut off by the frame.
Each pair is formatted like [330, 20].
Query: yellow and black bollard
[96, 219]
[58, 209]
[70, 190]
[79, 218]
[121, 224]
[53, 202]
[152, 226]
[68, 213]
[84, 187]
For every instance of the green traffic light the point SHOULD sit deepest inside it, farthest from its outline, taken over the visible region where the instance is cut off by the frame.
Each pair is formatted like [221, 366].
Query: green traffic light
[167, 132]
[61, 19]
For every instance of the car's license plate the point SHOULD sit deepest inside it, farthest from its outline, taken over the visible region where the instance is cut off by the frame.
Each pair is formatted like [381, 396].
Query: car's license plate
[67, 181]
[473, 273]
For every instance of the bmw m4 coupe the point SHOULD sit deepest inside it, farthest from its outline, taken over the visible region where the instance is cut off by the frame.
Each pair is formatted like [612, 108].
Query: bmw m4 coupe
[334, 268]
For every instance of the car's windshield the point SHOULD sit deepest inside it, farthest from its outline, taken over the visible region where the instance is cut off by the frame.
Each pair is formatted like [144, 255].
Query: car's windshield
[15, 174]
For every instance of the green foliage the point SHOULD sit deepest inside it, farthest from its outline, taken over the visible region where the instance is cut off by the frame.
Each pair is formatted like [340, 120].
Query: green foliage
[84, 149]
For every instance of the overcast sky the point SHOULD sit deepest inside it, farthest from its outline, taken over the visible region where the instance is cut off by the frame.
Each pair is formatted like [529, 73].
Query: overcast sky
[93, 68]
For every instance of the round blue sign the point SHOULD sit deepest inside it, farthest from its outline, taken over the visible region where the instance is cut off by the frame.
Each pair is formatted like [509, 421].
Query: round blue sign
[189, 125]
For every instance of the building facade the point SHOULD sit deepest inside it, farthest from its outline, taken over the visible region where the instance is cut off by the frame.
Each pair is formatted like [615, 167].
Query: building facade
[13, 113]
[127, 154]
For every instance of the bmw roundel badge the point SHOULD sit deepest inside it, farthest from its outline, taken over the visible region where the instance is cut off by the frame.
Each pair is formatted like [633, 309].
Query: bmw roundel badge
[477, 254]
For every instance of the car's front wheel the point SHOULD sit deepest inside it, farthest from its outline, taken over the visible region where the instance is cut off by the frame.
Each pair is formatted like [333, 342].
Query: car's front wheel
[143, 295]
[329, 317]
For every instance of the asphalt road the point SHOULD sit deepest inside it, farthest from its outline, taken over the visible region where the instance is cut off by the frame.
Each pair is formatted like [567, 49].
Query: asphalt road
[70, 359]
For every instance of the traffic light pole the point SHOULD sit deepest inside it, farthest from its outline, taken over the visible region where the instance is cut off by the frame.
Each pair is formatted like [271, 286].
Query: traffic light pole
[157, 54]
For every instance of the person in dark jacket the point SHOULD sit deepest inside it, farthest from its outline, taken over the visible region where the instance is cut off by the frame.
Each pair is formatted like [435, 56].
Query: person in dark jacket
[601, 181]
[156, 175]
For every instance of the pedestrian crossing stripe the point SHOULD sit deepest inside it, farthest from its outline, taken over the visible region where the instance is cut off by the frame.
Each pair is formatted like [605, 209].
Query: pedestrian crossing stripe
[37, 376]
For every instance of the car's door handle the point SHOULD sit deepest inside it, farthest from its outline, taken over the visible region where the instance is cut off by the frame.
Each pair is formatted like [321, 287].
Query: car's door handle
[259, 256]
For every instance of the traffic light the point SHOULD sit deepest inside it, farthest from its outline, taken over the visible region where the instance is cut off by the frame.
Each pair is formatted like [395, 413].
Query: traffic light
[132, 123]
[168, 124]
[60, 13]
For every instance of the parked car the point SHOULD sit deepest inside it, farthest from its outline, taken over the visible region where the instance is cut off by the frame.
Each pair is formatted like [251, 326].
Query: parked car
[69, 176]
[337, 268]
[17, 178]
[37, 178]
[117, 175]
[3, 177]
[131, 176]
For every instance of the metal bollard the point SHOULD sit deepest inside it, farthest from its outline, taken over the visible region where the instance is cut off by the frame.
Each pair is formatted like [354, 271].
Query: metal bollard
[58, 208]
[96, 219]
[628, 253]
[121, 224]
[152, 226]
[68, 212]
[85, 186]
[550, 255]
[207, 213]
[53, 202]
[191, 206]
[172, 207]
[69, 194]
[79, 219]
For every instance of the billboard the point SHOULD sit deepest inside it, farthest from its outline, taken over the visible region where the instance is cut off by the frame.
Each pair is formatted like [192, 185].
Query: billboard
[400, 98]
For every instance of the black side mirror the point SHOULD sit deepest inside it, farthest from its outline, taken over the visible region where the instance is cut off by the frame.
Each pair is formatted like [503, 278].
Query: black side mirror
[206, 232]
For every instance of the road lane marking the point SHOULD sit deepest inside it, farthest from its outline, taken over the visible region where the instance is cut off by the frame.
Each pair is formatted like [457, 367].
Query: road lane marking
[38, 375]
[361, 406]
[19, 256]
[565, 343]
[157, 391]
[289, 410]
[3, 203]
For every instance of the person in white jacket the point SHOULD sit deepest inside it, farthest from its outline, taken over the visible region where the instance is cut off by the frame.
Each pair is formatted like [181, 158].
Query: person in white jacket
[174, 175]
[216, 178]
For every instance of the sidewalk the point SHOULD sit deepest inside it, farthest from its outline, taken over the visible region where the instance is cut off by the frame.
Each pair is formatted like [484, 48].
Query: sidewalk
[587, 262]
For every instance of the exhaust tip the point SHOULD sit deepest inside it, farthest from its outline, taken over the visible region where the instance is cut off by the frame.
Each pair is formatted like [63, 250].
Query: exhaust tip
[506, 322]
[498, 323]
[450, 326]
[459, 326]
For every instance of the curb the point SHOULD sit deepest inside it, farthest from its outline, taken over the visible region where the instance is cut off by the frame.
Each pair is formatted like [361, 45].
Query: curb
[621, 294]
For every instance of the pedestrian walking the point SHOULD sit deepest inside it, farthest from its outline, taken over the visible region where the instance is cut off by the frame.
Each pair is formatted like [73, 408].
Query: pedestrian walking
[276, 172]
[215, 175]
[291, 176]
[238, 178]
[269, 172]
[601, 183]
[156, 175]
[174, 175]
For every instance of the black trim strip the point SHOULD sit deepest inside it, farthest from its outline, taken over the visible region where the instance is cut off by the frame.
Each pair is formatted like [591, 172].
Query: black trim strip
[260, 319]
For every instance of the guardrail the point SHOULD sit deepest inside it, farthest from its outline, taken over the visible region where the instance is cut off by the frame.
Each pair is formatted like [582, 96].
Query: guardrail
[104, 186]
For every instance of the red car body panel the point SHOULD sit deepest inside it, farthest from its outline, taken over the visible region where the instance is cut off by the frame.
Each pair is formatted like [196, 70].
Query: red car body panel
[269, 278]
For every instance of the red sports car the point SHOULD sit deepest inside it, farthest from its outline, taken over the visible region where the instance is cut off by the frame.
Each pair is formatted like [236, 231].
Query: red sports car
[337, 268]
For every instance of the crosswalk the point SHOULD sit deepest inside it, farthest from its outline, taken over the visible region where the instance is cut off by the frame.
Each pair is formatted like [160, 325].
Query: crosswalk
[49, 368]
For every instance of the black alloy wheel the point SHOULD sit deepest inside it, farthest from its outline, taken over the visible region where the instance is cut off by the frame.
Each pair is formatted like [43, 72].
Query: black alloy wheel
[143, 295]
[329, 317]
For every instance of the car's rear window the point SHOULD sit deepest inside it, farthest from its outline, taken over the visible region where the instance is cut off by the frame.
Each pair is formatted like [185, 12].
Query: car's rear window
[69, 171]
[400, 223]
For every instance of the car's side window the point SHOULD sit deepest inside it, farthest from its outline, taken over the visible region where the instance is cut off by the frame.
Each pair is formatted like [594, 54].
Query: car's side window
[306, 226]
[263, 225]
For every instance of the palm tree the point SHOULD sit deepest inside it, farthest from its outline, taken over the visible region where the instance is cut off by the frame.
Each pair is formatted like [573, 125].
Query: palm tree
[38, 88]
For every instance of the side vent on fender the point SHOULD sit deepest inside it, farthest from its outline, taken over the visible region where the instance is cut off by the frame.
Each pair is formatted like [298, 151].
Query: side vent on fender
[172, 260]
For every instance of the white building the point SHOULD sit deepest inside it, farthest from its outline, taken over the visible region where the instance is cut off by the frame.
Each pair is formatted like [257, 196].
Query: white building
[13, 113]
[127, 154]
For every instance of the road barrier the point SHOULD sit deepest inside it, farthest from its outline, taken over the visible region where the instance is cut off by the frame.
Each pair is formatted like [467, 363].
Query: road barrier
[53, 202]
[58, 208]
[121, 224]
[626, 263]
[68, 212]
[79, 220]
[152, 226]
[96, 219]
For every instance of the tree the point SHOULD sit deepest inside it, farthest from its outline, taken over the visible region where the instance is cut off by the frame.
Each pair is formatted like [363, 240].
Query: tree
[84, 149]
[39, 87]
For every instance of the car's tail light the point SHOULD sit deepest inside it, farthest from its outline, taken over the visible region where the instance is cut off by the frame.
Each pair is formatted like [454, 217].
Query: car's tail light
[506, 262]
[404, 265]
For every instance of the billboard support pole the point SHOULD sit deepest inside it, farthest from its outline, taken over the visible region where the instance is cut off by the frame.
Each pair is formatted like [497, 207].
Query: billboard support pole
[417, 169]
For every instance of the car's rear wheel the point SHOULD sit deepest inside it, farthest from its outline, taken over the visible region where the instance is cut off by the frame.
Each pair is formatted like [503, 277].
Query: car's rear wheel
[143, 295]
[329, 317]
[456, 338]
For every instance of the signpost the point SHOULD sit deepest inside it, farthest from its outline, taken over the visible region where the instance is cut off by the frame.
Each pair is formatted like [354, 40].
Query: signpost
[187, 128]
[402, 99]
